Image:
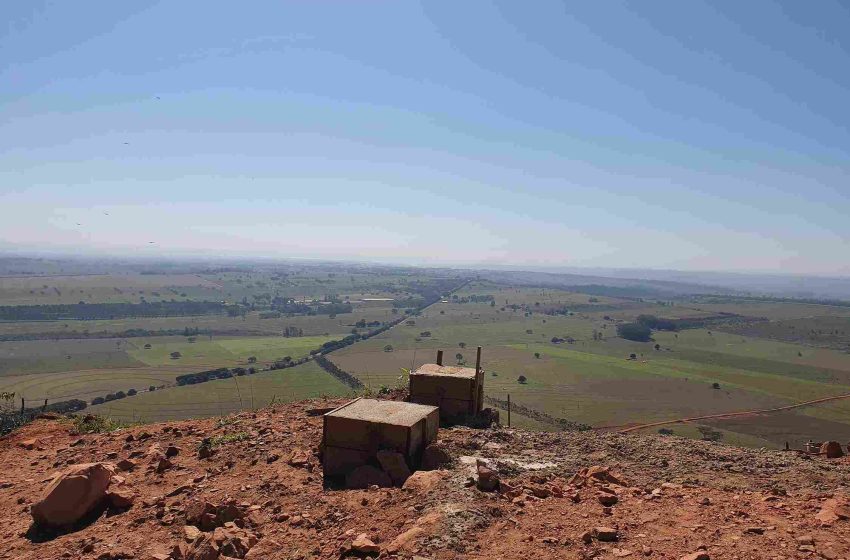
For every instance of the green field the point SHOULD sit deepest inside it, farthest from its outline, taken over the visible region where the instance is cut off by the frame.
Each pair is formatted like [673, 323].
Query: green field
[42, 369]
[592, 381]
[224, 396]
[771, 354]
[219, 352]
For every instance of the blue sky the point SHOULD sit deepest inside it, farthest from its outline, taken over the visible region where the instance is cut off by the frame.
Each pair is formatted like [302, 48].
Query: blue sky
[645, 134]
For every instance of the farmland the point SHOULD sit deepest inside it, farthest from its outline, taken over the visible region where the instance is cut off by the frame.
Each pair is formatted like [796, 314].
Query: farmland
[256, 316]
[591, 380]
[555, 350]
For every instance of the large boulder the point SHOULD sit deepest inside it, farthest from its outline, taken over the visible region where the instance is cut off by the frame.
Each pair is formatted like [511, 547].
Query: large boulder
[394, 465]
[832, 450]
[73, 494]
[488, 477]
[435, 457]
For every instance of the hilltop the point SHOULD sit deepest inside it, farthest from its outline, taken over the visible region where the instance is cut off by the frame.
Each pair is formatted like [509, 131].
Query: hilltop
[666, 497]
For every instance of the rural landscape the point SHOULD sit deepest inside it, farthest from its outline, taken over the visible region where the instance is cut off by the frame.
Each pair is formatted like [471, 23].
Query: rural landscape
[149, 341]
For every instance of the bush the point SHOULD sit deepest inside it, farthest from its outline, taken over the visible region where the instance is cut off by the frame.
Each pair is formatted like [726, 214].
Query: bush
[522, 379]
[131, 392]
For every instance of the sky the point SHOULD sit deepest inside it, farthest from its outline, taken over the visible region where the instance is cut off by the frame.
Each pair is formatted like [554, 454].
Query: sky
[669, 135]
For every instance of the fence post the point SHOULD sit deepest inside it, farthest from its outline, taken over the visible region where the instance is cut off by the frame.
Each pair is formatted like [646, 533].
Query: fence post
[23, 405]
[509, 410]
[43, 408]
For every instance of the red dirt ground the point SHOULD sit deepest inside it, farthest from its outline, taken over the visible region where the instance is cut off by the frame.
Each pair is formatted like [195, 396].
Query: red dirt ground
[676, 497]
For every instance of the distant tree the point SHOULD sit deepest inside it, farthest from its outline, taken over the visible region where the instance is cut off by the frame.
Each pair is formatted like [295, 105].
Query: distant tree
[192, 339]
[152, 388]
[715, 385]
[120, 395]
[799, 354]
[388, 348]
[537, 355]
[176, 355]
[459, 357]
[529, 331]
[633, 356]
[710, 434]
[98, 400]
[493, 303]
[425, 334]
[634, 331]
[131, 392]
[522, 379]
[462, 344]
[147, 346]
[252, 359]
[658, 347]
[665, 431]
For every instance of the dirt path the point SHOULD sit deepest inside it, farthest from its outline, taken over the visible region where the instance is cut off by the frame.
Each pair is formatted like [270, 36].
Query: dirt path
[626, 429]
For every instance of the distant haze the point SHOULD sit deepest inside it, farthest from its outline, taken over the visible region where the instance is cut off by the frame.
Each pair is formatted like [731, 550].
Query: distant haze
[690, 136]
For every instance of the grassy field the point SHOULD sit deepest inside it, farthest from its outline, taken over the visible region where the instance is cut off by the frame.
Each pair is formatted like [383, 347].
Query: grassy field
[220, 352]
[250, 325]
[725, 368]
[103, 288]
[224, 396]
[42, 369]
[592, 381]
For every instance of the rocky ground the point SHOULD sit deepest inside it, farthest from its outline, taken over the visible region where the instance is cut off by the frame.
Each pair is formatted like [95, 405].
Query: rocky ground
[250, 486]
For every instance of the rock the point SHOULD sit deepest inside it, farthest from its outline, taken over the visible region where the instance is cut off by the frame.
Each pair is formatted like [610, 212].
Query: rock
[28, 444]
[423, 481]
[233, 541]
[364, 545]
[832, 450]
[405, 541]
[587, 537]
[172, 451]
[365, 476]
[263, 550]
[120, 499]
[806, 539]
[299, 458]
[605, 534]
[201, 514]
[204, 548]
[394, 465]
[698, 555]
[754, 530]
[540, 492]
[163, 465]
[488, 479]
[205, 450]
[435, 457]
[596, 474]
[190, 533]
[73, 494]
[607, 499]
[272, 457]
[833, 510]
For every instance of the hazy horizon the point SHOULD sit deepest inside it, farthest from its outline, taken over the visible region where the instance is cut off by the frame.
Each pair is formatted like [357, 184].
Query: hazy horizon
[694, 137]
